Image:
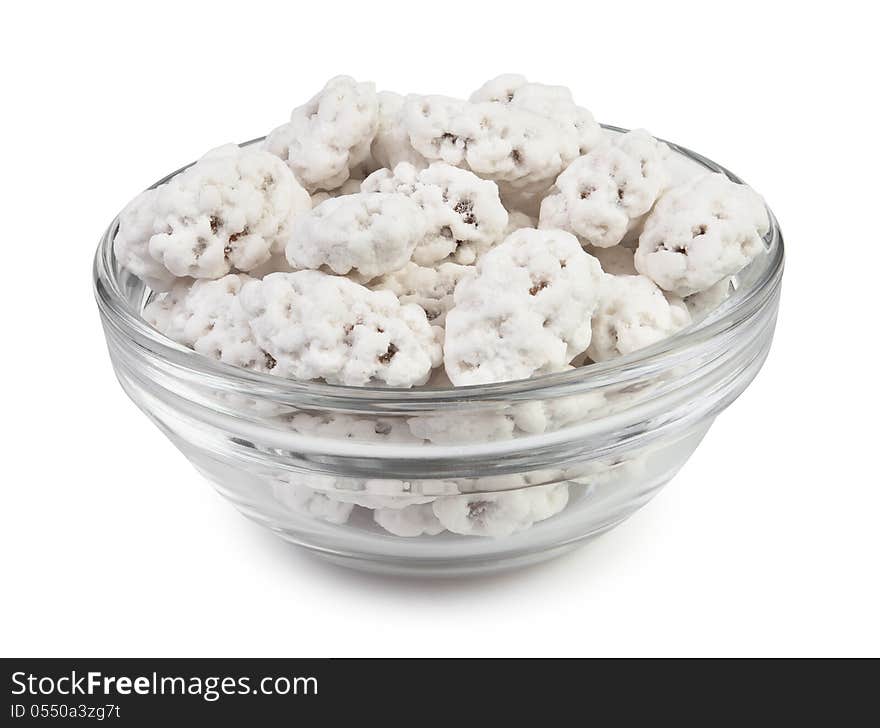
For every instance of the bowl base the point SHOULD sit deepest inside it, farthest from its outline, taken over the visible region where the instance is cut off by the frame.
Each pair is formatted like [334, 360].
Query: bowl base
[445, 568]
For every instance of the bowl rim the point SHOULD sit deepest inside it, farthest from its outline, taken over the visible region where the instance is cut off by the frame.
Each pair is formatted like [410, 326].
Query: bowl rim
[117, 311]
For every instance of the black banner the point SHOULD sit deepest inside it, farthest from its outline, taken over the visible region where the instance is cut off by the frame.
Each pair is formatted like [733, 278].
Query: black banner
[145, 692]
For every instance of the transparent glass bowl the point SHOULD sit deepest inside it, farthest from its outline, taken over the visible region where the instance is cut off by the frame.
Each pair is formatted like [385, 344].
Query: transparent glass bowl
[519, 471]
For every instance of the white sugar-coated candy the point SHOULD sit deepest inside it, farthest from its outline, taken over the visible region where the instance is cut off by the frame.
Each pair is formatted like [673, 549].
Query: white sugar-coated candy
[633, 313]
[207, 316]
[410, 521]
[502, 513]
[526, 312]
[464, 214]
[701, 232]
[554, 102]
[430, 288]
[603, 194]
[330, 135]
[318, 326]
[231, 211]
[388, 240]
[366, 233]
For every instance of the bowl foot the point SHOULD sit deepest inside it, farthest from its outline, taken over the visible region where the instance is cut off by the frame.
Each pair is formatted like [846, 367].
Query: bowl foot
[438, 568]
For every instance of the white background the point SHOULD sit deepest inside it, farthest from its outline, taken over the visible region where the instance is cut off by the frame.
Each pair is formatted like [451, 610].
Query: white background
[767, 543]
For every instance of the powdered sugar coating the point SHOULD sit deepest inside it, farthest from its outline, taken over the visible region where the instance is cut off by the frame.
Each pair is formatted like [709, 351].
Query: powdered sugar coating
[316, 503]
[554, 102]
[577, 132]
[465, 215]
[430, 288]
[494, 140]
[330, 135]
[633, 313]
[526, 312]
[700, 232]
[463, 427]
[137, 224]
[410, 521]
[338, 426]
[548, 415]
[602, 194]
[318, 326]
[207, 316]
[351, 186]
[229, 211]
[500, 514]
[391, 144]
[369, 233]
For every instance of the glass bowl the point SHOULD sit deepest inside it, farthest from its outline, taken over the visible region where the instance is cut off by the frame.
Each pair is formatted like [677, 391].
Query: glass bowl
[440, 480]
